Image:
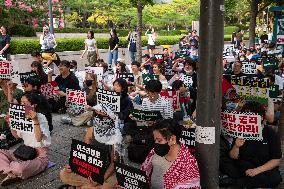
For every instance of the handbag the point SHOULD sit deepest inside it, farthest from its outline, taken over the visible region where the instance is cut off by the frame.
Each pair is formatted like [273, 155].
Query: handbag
[25, 153]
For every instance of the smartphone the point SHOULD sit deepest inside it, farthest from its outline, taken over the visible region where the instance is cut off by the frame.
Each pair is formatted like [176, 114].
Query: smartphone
[28, 109]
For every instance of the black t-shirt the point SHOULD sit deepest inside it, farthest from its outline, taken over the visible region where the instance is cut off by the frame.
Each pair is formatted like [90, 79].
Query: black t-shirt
[70, 82]
[260, 152]
[4, 40]
[113, 41]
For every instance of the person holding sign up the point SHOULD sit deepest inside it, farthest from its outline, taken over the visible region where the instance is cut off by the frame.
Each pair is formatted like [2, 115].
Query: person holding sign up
[104, 135]
[170, 164]
[31, 158]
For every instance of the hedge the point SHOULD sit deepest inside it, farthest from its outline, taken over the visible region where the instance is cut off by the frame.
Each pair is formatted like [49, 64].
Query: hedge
[228, 30]
[26, 46]
[22, 30]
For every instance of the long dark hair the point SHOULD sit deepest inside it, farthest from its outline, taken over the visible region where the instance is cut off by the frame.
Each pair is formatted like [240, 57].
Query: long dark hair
[35, 99]
[39, 66]
[92, 33]
[123, 85]
[114, 33]
[123, 67]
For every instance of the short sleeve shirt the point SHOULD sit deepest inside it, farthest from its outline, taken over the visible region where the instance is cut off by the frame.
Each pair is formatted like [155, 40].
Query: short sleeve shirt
[90, 44]
[113, 41]
[4, 40]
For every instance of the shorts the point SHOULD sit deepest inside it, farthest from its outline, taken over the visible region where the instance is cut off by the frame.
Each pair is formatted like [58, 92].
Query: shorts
[151, 47]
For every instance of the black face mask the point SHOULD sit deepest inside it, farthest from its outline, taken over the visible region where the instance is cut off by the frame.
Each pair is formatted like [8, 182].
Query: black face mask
[89, 83]
[161, 149]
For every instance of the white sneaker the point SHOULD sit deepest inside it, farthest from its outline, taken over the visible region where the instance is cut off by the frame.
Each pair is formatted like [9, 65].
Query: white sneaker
[66, 120]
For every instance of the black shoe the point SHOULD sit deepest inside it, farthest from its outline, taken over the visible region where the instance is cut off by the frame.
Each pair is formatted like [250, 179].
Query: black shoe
[9, 180]
[226, 182]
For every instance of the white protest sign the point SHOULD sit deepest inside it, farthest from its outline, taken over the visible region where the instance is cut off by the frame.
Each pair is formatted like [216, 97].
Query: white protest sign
[99, 71]
[5, 69]
[249, 67]
[205, 135]
[242, 125]
[109, 97]
[76, 101]
[18, 120]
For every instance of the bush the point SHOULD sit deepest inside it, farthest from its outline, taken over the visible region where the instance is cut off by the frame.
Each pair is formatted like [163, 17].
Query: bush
[169, 33]
[228, 30]
[22, 30]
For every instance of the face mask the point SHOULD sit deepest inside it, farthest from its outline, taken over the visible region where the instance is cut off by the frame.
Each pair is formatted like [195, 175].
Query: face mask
[89, 83]
[161, 149]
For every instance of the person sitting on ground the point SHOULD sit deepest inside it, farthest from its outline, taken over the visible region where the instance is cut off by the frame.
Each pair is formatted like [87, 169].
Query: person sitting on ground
[158, 70]
[66, 80]
[105, 134]
[147, 67]
[38, 69]
[170, 164]
[90, 87]
[39, 141]
[254, 164]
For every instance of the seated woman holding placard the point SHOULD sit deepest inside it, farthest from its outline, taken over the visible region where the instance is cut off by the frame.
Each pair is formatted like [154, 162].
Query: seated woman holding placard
[105, 135]
[31, 158]
[170, 164]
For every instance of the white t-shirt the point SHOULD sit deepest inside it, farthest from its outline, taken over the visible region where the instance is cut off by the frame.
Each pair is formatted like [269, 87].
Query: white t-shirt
[279, 81]
[90, 44]
[151, 39]
[30, 140]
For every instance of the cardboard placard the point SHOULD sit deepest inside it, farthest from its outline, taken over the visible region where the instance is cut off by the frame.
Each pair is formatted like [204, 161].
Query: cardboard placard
[251, 88]
[5, 69]
[128, 77]
[141, 115]
[188, 138]
[130, 177]
[172, 96]
[242, 125]
[109, 97]
[75, 101]
[25, 76]
[88, 161]
[148, 77]
[249, 67]
[47, 90]
[18, 120]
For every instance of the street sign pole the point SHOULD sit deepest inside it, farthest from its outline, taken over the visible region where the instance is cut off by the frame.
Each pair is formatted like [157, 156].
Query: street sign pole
[50, 16]
[209, 91]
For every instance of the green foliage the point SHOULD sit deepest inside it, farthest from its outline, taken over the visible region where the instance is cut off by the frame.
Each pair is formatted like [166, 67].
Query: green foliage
[22, 30]
[228, 30]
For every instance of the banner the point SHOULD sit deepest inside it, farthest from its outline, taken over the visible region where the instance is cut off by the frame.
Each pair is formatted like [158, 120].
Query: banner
[47, 90]
[128, 77]
[148, 77]
[141, 115]
[76, 101]
[251, 88]
[5, 69]
[173, 97]
[109, 97]
[242, 125]
[88, 161]
[130, 177]
[249, 67]
[18, 120]
[280, 32]
[188, 138]
[25, 76]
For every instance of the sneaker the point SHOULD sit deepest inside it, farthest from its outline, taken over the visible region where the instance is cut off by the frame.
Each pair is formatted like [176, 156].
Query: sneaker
[66, 120]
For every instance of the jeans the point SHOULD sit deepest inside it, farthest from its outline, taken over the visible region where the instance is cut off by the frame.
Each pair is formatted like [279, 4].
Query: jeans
[112, 56]
[132, 56]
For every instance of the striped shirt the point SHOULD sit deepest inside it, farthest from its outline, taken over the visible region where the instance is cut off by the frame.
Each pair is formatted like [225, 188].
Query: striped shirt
[161, 104]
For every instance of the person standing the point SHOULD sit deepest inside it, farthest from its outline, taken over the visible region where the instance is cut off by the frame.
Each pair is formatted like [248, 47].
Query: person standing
[91, 48]
[239, 37]
[113, 47]
[151, 41]
[5, 43]
[132, 38]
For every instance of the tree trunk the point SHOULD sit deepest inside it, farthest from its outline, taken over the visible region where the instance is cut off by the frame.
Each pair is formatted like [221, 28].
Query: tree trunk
[139, 31]
[252, 25]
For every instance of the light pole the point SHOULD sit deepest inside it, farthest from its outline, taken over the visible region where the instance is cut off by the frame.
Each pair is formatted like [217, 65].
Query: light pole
[50, 16]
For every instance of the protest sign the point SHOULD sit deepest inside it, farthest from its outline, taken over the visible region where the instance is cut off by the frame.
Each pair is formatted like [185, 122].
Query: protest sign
[159, 57]
[128, 77]
[76, 101]
[18, 120]
[188, 138]
[249, 67]
[25, 76]
[187, 80]
[270, 61]
[251, 88]
[141, 115]
[130, 177]
[46, 69]
[172, 96]
[88, 161]
[148, 77]
[5, 69]
[242, 125]
[109, 97]
[275, 93]
[99, 71]
[280, 31]
[229, 50]
[47, 90]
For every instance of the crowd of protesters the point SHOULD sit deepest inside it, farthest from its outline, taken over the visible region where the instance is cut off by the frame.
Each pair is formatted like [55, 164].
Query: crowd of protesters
[156, 145]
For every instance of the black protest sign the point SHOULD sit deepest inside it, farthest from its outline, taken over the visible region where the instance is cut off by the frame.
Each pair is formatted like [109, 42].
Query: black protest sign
[128, 77]
[109, 97]
[270, 61]
[274, 92]
[130, 177]
[88, 161]
[148, 77]
[18, 120]
[140, 115]
[25, 76]
[188, 138]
